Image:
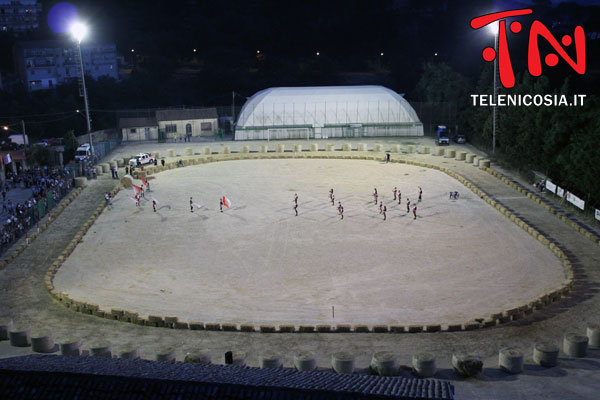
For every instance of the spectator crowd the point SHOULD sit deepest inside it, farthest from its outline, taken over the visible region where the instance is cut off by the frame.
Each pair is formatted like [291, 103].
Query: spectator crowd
[18, 217]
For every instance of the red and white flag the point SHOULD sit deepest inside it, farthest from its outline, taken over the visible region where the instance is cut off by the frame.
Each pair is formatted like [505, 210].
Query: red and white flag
[154, 200]
[134, 200]
[137, 189]
[197, 205]
[144, 181]
[226, 202]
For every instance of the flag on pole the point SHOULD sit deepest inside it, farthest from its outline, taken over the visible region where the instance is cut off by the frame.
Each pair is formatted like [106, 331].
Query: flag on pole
[197, 205]
[137, 189]
[153, 199]
[144, 181]
[226, 202]
[132, 199]
[7, 160]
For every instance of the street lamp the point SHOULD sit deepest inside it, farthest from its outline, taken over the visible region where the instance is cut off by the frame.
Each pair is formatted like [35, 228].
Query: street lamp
[494, 30]
[79, 31]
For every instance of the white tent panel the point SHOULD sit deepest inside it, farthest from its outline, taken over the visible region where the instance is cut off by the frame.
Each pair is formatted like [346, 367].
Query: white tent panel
[326, 107]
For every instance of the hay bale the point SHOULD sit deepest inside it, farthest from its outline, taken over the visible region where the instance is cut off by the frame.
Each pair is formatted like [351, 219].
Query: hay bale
[545, 354]
[166, 354]
[170, 152]
[71, 347]
[438, 151]
[461, 155]
[20, 336]
[130, 351]
[101, 349]
[342, 362]
[510, 359]
[198, 357]
[467, 364]
[305, 361]
[43, 342]
[424, 365]
[423, 149]
[575, 345]
[127, 181]
[330, 147]
[593, 334]
[270, 359]
[384, 363]
[80, 182]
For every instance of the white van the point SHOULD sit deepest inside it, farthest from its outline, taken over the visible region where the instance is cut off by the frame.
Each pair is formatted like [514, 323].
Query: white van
[83, 152]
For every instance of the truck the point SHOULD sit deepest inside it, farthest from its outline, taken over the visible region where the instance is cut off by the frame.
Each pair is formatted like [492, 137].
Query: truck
[142, 159]
[83, 152]
[442, 136]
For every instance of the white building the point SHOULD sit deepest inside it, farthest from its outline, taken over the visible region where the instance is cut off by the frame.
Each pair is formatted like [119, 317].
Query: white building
[326, 112]
[43, 64]
[19, 16]
[170, 124]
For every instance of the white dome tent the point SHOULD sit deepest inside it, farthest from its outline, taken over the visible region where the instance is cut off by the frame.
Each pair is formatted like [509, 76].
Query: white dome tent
[326, 112]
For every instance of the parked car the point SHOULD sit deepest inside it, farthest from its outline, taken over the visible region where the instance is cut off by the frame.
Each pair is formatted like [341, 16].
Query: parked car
[460, 139]
[142, 159]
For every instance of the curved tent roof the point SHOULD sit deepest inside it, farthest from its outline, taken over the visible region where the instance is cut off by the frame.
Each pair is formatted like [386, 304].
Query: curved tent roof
[323, 106]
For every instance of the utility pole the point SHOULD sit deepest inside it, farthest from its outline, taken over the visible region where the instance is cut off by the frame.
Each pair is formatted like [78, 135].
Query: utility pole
[232, 110]
[25, 140]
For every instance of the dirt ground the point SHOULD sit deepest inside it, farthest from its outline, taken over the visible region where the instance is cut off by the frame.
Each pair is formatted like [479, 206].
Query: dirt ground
[259, 263]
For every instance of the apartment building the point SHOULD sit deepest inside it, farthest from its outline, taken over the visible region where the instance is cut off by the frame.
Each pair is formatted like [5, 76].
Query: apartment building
[43, 64]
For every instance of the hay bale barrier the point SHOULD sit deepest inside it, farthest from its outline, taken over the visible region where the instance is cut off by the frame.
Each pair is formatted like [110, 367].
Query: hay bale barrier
[101, 349]
[593, 334]
[545, 354]
[43, 342]
[20, 336]
[71, 347]
[575, 345]
[305, 361]
[270, 359]
[343, 362]
[80, 182]
[424, 365]
[198, 357]
[6, 325]
[130, 351]
[127, 181]
[384, 363]
[510, 359]
[467, 364]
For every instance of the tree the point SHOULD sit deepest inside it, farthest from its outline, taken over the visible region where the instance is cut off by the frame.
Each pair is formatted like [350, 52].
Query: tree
[41, 155]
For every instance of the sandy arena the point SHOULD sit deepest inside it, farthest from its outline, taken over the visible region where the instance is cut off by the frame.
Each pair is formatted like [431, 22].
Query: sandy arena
[258, 263]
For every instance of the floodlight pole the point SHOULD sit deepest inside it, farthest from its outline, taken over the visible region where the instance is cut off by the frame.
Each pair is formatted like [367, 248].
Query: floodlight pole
[85, 98]
[495, 107]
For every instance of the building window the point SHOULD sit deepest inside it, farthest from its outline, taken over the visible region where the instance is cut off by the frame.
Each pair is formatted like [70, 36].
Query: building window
[188, 129]
[206, 126]
[132, 130]
[171, 128]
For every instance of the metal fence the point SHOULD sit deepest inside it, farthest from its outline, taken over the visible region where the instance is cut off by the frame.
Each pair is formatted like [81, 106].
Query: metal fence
[23, 220]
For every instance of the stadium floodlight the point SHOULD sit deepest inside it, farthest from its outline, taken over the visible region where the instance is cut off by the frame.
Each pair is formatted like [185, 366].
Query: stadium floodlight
[494, 31]
[79, 31]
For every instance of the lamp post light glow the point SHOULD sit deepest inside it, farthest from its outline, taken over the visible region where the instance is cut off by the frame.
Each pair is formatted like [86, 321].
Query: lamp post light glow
[79, 31]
